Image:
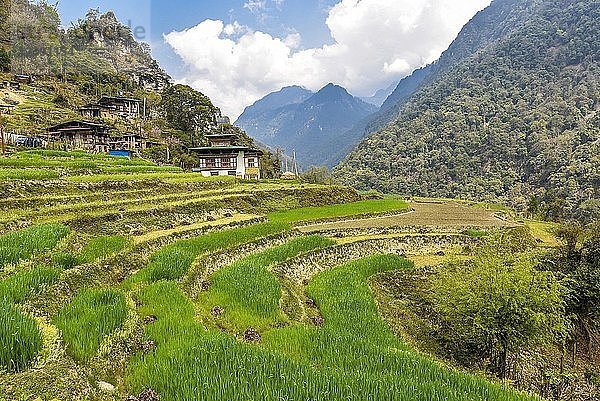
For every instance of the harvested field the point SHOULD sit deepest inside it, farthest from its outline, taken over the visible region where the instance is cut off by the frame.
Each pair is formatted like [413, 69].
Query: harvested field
[449, 215]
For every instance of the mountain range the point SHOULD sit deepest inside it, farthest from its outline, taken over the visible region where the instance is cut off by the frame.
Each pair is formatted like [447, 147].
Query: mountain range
[309, 124]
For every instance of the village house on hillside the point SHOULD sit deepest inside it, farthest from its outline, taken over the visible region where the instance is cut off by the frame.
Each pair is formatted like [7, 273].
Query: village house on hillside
[94, 137]
[112, 107]
[224, 157]
[81, 135]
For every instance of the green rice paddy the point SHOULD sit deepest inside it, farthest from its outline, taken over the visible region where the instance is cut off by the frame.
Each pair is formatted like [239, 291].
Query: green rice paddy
[91, 315]
[195, 311]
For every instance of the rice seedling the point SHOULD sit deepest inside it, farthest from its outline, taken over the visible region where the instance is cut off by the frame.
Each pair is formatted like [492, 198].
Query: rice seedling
[102, 248]
[89, 318]
[65, 260]
[20, 339]
[27, 174]
[140, 169]
[474, 233]
[180, 176]
[17, 287]
[20, 245]
[355, 356]
[249, 292]
[342, 210]
[173, 261]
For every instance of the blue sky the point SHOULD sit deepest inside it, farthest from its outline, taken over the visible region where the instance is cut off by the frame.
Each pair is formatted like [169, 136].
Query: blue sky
[237, 51]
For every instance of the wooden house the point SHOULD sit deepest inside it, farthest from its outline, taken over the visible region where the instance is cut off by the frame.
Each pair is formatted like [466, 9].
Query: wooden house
[120, 106]
[224, 157]
[134, 143]
[6, 108]
[112, 107]
[23, 78]
[81, 135]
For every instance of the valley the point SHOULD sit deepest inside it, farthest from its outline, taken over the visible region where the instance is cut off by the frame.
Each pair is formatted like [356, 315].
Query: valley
[436, 239]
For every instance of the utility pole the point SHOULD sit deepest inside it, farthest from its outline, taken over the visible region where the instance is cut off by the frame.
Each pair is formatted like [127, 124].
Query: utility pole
[2, 144]
[295, 165]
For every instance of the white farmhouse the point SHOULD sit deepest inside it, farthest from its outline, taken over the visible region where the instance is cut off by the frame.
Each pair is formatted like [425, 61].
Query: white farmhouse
[224, 157]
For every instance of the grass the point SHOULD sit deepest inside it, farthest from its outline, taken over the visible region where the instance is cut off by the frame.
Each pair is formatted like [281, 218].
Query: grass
[19, 286]
[89, 318]
[341, 210]
[27, 174]
[103, 247]
[20, 245]
[544, 233]
[41, 165]
[146, 176]
[355, 356]
[248, 292]
[20, 339]
[173, 261]
[474, 233]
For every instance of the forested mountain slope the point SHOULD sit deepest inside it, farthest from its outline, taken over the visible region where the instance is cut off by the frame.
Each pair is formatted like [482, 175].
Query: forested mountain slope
[511, 113]
[499, 19]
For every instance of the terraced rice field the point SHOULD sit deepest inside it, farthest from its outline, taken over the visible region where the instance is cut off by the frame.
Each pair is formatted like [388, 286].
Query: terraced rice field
[173, 286]
[448, 215]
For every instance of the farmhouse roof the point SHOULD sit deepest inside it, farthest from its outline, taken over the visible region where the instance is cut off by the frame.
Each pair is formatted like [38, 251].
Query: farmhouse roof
[118, 99]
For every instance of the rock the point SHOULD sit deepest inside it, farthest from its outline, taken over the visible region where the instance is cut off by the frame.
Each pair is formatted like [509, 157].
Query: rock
[132, 398]
[205, 285]
[148, 395]
[441, 253]
[317, 321]
[217, 311]
[210, 218]
[305, 281]
[147, 346]
[311, 303]
[252, 335]
[150, 319]
[106, 387]
[228, 214]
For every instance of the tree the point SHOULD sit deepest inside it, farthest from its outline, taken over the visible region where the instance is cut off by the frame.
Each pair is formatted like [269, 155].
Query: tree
[189, 111]
[317, 175]
[499, 303]
[4, 60]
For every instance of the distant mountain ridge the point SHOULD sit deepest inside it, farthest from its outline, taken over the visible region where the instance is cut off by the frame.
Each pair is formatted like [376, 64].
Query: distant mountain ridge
[381, 95]
[296, 119]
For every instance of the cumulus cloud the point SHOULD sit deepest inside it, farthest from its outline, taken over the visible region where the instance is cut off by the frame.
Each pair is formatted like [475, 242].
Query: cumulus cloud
[374, 43]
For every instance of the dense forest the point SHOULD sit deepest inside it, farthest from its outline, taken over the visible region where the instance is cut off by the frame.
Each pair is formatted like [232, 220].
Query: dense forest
[510, 114]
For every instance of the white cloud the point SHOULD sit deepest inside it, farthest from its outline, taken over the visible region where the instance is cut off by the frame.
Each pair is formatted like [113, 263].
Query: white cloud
[375, 42]
[255, 5]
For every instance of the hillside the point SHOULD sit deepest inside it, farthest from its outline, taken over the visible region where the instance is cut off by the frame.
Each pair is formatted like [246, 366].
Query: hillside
[509, 113]
[97, 56]
[120, 278]
[295, 119]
